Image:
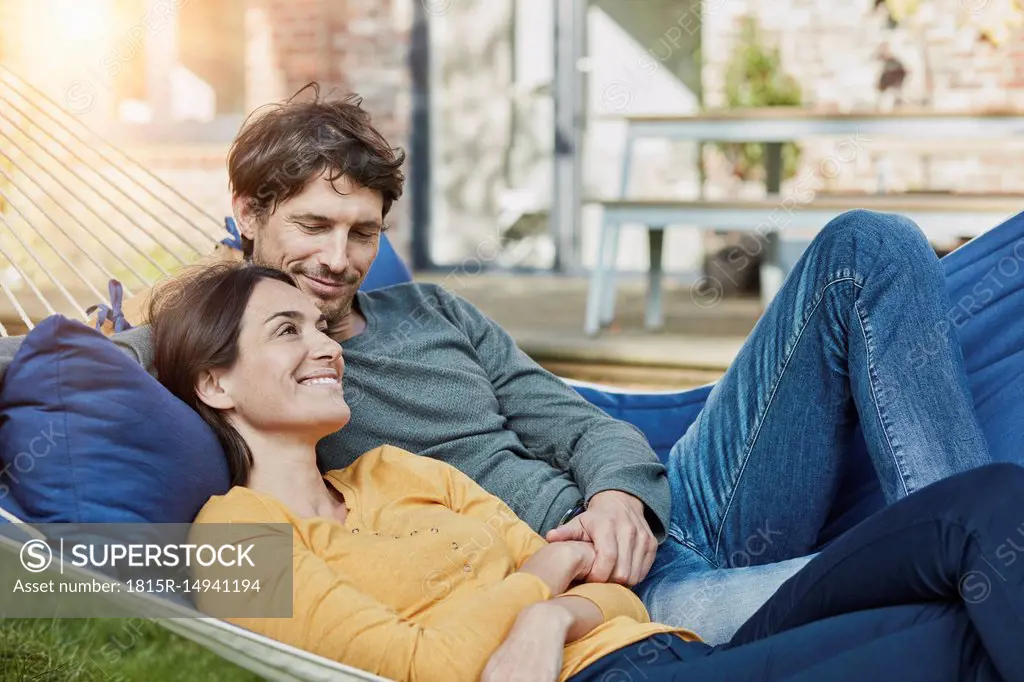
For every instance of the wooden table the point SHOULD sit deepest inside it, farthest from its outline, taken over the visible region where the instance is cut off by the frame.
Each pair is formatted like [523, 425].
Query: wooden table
[774, 126]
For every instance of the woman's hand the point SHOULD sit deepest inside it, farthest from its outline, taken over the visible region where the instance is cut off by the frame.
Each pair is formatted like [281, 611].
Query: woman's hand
[532, 651]
[615, 523]
[560, 564]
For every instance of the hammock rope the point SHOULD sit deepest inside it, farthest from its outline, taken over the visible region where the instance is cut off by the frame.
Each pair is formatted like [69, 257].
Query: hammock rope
[179, 198]
[46, 240]
[121, 192]
[60, 183]
[39, 208]
[82, 214]
[42, 266]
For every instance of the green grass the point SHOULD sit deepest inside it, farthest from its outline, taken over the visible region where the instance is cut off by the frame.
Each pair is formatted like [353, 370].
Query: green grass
[105, 650]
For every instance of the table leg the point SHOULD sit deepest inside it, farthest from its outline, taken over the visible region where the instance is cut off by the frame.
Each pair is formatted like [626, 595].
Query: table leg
[655, 239]
[772, 272]
[608, 289]
[627, 165]
[595, 292]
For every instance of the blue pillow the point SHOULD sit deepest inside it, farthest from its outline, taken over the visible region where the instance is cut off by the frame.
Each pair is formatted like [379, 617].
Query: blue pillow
[663, 417]
[387, 269]
[91, 437]
[7, 501]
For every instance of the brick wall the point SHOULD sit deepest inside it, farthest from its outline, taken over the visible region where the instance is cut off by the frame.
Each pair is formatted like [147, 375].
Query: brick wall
[830, 48]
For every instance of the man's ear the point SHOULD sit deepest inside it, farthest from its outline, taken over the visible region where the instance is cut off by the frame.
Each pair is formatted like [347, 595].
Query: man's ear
[244, 217]
[211, 389]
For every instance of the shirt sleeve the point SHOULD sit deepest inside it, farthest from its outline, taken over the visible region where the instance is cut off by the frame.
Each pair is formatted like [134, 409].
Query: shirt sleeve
[613, 600]
[558, 426]
[334, 618]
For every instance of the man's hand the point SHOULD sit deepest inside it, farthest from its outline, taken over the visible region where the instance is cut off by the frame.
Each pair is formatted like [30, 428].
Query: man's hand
[614, 522]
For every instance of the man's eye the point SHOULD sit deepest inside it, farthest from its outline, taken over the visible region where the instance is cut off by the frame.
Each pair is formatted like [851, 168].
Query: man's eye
[311, 228]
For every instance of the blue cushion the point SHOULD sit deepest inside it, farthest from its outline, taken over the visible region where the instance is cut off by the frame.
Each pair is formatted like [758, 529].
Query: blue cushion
[7, 501]
[93, 438]
[387, 269]
[985, 282]
[662, 417]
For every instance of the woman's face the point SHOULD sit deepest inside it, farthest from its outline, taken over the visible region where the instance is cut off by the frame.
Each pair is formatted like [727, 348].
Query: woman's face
[287, 377]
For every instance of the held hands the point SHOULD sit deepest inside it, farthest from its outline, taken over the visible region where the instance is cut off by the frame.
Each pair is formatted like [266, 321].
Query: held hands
[560, 565]
[614, 522]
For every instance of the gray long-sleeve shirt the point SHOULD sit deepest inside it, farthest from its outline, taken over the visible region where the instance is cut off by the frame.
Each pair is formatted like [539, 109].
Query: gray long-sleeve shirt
[432, 375]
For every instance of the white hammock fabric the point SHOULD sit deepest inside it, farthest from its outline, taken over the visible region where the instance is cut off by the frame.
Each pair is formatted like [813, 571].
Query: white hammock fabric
[75, 212]
[266, 657]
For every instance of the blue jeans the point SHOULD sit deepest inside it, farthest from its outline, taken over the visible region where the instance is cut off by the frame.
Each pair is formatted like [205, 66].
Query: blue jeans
[929, 589]
[758, 478]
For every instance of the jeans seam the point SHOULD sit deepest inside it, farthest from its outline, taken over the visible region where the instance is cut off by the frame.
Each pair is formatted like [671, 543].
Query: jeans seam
[872, 378]
[771, 399]
[678, 537]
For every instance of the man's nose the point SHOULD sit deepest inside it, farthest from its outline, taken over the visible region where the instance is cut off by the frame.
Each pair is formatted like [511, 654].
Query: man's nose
[335, 256]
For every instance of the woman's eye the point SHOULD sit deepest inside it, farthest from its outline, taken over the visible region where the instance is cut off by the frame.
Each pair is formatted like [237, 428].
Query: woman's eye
[289, 329]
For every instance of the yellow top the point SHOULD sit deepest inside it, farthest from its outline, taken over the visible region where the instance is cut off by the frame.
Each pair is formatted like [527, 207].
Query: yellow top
[419, 582]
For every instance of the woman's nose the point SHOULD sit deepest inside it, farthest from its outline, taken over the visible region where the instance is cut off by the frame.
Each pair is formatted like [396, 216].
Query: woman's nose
[328, 349]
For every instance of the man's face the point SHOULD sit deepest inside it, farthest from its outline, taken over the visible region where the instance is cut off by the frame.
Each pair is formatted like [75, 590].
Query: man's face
[326, 237]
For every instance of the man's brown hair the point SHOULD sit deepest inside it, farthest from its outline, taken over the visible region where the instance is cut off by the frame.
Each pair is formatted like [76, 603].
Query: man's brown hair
[283, 146]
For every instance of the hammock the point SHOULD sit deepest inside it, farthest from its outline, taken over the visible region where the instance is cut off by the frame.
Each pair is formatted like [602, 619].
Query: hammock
[83, 214]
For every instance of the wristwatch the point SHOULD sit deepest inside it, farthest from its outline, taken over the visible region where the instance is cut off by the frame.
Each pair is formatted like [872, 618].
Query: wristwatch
[573, 512]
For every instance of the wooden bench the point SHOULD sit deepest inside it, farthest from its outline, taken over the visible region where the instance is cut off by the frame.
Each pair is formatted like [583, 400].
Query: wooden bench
[940, 216]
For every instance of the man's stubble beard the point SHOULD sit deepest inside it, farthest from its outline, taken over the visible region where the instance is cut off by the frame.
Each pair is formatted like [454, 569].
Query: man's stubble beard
[335, 311]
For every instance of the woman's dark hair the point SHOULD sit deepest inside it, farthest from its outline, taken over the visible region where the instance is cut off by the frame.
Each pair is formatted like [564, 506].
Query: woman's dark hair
[283, 146]
[195, 320]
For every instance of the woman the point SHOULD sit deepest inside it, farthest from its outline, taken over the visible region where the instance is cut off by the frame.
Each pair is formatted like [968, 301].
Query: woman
[405, 567]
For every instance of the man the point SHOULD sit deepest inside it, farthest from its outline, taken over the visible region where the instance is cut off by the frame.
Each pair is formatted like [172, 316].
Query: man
[752, 483]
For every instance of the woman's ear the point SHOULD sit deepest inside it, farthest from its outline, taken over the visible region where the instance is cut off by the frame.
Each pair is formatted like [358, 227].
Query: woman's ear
[211, 390]
[244, 218]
